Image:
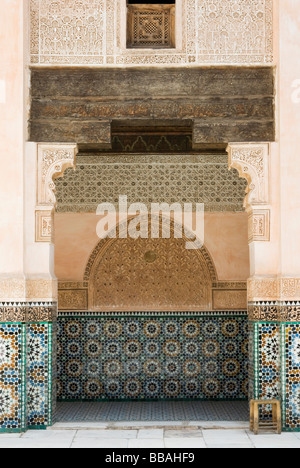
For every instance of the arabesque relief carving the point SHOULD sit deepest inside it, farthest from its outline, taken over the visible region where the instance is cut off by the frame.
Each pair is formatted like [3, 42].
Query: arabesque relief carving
[23, 289]
[44, 226]
[122, 278]
[28, 312]
[273, 289]
[229, 299]
[252, 164]
[73, 299]
[148, 274]
[207, 32]
[259, 225]
[53, 160]
[274, 311]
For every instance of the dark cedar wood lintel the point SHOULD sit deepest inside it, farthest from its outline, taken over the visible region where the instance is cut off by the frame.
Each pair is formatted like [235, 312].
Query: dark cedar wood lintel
[219, 105]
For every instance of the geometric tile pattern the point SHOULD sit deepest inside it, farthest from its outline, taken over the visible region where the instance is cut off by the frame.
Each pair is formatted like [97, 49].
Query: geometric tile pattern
[181, 178]
[152, 411]
[252, 363]
[268, 344]
[153, 357]
[12, 377]
[291, 375]
[269, 371]
[39, 375]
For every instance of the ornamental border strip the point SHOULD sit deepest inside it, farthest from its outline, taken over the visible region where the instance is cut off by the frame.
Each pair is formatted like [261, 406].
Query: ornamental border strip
[113, 314]
[28, 312]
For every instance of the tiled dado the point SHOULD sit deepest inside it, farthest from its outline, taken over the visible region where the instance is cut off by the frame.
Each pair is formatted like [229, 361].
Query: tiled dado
[274, 343]
[27, 335]
[152, 356]
[290, 371]
[264, 371]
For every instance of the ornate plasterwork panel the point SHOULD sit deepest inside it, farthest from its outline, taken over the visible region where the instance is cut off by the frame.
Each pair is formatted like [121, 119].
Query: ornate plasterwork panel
[207, 32]
[150, 178]
[252, 164]
[235, 31]
[149, 274]
[229, 299]
[274, 311]
[265, 289]
[44, 226]
[259, 225]
[226, 295]
[274, 289]
[73, 299]
[53, 160]
[70, 32]
[37, 289]
[27, 312]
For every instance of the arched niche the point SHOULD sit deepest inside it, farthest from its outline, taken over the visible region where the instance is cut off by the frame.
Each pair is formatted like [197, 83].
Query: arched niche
[149, 274]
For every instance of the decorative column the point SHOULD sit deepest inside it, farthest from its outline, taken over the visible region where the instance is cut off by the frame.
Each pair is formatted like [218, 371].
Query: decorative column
[28, 308]
[288, 43]
[12, 277]
[253, 163]
[44, 164]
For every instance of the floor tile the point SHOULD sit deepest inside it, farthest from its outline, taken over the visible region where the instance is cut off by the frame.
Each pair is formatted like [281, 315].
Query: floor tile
[155, 412]
[150, 434]
[184, 433]
[183, 443]
[275, 441]
[230, 445]
[104, 443]
[215, 437]
[118, 434]
[49, 435]
[146, 443]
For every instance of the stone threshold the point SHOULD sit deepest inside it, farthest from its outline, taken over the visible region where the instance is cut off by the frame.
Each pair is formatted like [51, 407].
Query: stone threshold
[169, 425]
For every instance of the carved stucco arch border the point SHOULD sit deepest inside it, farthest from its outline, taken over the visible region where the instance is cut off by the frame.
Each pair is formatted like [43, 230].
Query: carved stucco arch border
[53, 160]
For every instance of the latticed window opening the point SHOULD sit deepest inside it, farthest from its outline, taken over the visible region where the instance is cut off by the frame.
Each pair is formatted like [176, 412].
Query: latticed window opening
[151, 25]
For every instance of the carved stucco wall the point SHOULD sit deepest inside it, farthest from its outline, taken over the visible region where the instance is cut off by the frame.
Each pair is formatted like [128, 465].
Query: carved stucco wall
[150, 274]
[74, 32]
[151, 178]
[85, 266]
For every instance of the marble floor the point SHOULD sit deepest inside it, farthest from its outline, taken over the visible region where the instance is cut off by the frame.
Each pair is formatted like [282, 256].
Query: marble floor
[126, 435]
[153, 425]
[153, 411]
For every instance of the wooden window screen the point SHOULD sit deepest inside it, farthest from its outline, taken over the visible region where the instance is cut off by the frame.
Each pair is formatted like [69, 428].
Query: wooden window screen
[151, 26]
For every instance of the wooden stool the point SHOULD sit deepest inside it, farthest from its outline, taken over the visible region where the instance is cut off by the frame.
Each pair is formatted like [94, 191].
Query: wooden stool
[255, 424]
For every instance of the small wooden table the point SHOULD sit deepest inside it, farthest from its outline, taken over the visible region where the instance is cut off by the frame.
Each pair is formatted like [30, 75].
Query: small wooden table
[255, 424]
